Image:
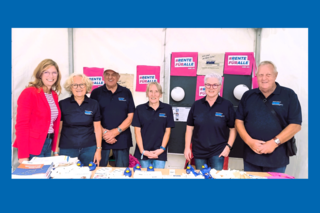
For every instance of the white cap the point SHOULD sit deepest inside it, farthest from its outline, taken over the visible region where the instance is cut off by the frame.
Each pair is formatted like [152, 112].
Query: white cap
[112, 68]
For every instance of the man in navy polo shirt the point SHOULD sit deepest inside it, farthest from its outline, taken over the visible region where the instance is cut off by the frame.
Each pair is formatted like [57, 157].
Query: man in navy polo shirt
[117, 109]
[265, 149]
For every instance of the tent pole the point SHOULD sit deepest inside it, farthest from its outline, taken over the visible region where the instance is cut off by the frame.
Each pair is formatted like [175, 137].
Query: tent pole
[70, 50]
[257, 45]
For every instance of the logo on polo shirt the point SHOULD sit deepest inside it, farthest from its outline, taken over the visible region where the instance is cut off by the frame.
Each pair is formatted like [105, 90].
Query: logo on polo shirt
[202, 91]
[277, 103]
[238, 60]
[163, 115]
[97, 80]
[122, 99]
[184, 62]
[145, 79]
[219, 114]
[88, 112]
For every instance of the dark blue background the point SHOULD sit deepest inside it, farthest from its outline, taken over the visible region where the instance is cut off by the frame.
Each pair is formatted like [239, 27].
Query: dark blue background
[158, 195]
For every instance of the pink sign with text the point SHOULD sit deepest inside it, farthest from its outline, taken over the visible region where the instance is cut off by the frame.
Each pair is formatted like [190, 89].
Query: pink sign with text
[145, 75]
[201, 90]
[184, 64]
[239, 63]
[95, 74]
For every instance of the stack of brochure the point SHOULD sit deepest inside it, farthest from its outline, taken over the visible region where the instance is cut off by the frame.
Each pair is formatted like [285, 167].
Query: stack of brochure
[30, 170]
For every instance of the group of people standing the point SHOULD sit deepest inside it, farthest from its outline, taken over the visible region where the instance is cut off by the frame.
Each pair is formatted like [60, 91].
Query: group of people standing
[88, 128]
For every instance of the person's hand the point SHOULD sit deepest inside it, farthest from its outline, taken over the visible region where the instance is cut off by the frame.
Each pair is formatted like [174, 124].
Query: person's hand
[150, 154]
[56, 155]
[256, 146]
[97, 157]
[225, 152]
[158, 152]
[187, 153]
[110, 135]
[23, 159]
[268, 147]
[111, 141]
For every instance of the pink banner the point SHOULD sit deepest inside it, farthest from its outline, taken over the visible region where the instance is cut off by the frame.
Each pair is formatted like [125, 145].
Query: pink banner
[145, 75]
[95, 75]
[184, 64]
[239, 63]
[200, 90]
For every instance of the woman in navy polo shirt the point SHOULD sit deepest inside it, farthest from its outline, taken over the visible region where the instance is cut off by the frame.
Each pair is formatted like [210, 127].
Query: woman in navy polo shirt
[210, 126]
[152, 123]
[80, 135]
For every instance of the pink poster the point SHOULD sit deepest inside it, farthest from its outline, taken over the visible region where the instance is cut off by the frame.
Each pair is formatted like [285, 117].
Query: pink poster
[95, 74]
[145, 75]
[239, 63]
[200, 90]
[184, 64]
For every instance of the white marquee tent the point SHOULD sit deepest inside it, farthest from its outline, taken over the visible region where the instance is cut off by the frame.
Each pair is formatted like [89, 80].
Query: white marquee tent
[76, 48]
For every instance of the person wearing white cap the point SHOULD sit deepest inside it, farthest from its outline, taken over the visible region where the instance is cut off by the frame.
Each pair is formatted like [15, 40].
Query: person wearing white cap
[116, 109]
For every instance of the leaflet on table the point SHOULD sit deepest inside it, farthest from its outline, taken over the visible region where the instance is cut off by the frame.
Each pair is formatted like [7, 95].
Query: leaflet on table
[27, 170]
[61, 160]
[180, 114]
[147, 174]
[71, 172]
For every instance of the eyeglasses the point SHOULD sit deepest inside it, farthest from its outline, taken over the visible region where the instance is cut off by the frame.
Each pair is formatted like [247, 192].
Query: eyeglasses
[46, 73]
[75, 86]
[214, 86]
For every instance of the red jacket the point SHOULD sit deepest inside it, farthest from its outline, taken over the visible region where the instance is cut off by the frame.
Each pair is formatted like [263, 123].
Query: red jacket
[33, 121]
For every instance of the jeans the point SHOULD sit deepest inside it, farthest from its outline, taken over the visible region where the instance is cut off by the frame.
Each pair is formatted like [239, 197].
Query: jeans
[46, 149]
[85, 155]
[121, 157]
[158, 164]
[213, 162]
[248, 167]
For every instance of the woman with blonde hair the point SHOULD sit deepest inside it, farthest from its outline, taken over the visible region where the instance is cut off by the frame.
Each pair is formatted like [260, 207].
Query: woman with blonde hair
[152, 123]
[80, 129]
[38, 113]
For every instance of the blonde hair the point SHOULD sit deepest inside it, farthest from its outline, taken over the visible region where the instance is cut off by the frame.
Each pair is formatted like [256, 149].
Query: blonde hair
[265, 63]
[157, 85]
[37, 73]
[85, 80]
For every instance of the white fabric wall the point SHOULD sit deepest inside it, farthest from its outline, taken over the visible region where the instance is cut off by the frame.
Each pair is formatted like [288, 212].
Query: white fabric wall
[288, 50]
[205, 40]
[29, 48]
[124, 48]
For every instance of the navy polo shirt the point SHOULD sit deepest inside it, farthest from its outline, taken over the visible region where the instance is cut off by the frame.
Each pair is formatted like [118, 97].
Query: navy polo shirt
[262, 125]
[153, 124]
[114, 109]
[78, 130]
[211, 126]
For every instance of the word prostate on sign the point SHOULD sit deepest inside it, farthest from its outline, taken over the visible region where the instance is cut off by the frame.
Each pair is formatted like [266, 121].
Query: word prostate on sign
[97, 80]
[238, 60]
[202, 91]
[145, 79]
[184, 62]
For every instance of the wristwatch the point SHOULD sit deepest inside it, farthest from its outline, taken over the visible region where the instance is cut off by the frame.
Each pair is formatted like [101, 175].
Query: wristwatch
[277, 141]
[120, 130]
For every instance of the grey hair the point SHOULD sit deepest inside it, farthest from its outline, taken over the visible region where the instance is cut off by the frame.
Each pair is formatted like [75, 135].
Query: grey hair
[266, 63]
[213, 75]
[159, 88]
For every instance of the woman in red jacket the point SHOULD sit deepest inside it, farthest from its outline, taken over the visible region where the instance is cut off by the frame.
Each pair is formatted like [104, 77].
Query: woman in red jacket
[38, 113]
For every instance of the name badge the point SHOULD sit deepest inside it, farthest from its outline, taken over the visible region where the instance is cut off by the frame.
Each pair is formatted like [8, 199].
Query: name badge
[277, 103]
[122, 99]
[163, 115]
[88, 112]
[219, 114]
